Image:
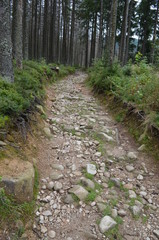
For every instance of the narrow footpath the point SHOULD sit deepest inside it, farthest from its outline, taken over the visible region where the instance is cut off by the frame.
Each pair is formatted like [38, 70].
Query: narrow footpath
[94, 178]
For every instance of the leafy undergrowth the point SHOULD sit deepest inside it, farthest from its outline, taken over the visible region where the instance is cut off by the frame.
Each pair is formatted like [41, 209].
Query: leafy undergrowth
[136, 85]
[27, 90]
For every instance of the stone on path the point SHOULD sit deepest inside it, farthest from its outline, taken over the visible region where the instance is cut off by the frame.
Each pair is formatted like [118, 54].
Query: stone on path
[129, 168]
[156, 233]
[68, 199]
[132, 194]
[106, 223]
[101, 207]
[131, 155]
[47, 213]
[140, 177]
[57, 166]
[52, 234]
[2, 144]
[107, 137]
[87, 182]
[56, 175]
[43, 229]
[50, 185]
[136, 210]
[58, 186]
[79, 191]
[47, 132]
[91, 169]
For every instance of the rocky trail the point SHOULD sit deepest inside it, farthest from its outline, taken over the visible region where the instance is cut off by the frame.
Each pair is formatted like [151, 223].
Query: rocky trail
[96, 182]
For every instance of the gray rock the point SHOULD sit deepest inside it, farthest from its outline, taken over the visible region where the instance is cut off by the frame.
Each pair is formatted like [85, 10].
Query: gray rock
[91, 169]
[143, 194]
[43, 229]
[87, 182]
[101, 207]
[89, 236]
[57, 166]
[136, 210]
[129, 168]
[156, 233]
[56, 175]
[2, 144]
[132, 194]
[114, 213]
[140, 177]
[107, 137]
[41, 109]
[47, 213]
[142, 148]
[132, 155]
[68, 199]
[116, 181]
[58, 186]
[79, 191]
[106, 223]
[50, 185]
[52, 234]
[47, 132]
[122, 213]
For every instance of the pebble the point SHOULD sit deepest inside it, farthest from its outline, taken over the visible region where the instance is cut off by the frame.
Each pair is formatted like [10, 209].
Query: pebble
[47, 213]
[106, 223]
[57, 186]
[129, 168]
[43, 229]
[52, 234]
[140, 177]
[132, 155]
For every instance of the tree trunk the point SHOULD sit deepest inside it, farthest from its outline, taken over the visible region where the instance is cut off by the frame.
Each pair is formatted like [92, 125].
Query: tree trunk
[100, 46]
[129, 31]
[123, 33]
[45, 30]
[35, 30]
[72, 34]
[17, 32]
[87, 44]
[25, 29]
[6, 67]
[112, 31]
[93, 41]
[39, 40]
[154, 33]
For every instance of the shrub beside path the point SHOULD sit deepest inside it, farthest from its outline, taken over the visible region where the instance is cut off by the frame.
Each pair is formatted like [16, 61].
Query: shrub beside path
[96, 182]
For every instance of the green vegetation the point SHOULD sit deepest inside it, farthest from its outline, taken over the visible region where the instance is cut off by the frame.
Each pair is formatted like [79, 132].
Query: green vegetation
[27, 90]
[136, 84]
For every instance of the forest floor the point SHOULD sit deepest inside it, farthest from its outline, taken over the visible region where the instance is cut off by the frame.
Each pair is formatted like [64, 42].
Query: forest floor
[124, 183]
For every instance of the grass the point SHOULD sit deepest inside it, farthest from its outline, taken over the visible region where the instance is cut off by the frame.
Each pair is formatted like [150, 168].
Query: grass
[133, 85]
[27, 90]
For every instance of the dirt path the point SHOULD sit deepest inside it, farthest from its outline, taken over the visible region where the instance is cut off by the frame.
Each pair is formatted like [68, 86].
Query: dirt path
[124, 185]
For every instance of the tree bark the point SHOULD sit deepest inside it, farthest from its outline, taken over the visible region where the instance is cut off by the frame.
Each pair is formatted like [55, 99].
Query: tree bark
[72, 34]
[25, 29]
[17, 32]
[155, 33]
[6, 67]
[100, 46]
[123, 33]
[45, 30]
[112, 31]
